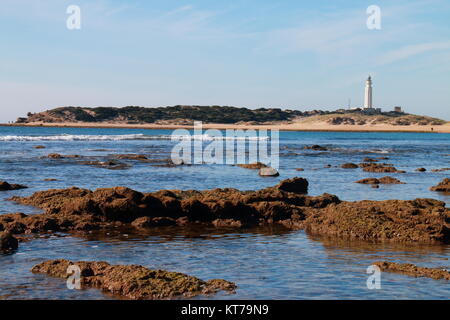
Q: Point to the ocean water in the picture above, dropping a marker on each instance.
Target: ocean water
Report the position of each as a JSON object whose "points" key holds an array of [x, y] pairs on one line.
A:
{"points": [[265, 263]]}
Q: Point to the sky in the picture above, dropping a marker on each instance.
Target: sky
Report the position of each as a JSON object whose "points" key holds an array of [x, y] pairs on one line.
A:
{"points": [[291, 54]]}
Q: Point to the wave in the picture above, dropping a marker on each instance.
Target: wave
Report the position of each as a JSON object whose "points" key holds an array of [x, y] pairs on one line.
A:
{"points": [[71, 137]]}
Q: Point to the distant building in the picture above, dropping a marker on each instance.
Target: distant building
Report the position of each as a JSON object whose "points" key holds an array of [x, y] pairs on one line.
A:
{"points": [[398, 109], [368, 94], [368, 98]]}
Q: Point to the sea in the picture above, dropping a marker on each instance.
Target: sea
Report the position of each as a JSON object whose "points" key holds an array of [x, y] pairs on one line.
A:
{"points": [[265, 263]]}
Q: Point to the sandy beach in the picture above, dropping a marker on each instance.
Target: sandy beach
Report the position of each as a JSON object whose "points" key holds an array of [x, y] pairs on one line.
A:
{"points": [[295, 126]]}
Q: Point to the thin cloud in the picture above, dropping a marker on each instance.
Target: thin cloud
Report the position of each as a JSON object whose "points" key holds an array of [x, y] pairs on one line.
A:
{"points": [[412, 50]]}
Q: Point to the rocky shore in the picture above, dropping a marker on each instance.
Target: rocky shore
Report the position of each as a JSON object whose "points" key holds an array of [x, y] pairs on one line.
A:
{"points": [[413, 270], [134, 281], [5, 186], [443, 186], [286, 204]]}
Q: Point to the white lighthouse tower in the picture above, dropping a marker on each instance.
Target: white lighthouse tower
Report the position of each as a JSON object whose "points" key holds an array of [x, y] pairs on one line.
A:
{"points": [[368, 94]]}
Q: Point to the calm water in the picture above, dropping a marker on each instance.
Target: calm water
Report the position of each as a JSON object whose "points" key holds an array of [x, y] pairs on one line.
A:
{"points": [[265, 263]]}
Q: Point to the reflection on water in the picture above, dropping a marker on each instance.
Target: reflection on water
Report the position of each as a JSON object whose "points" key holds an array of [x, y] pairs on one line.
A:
{"points": [[266, 263]]}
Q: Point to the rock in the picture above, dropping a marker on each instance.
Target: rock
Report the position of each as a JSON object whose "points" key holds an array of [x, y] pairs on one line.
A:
{"points": [[390, 180], [110, 164], [134, 281], [384, 180], [315, 147], [349, 166], [299, 169], [368, 181], [147, 222], [419, 220], [443, 186], [268, 172], [74, 210], [375, 186], [440, 170], [8, 243], [39, 147], [413, 270], [369, 160], [374, 167], [227, 223], [296, 185], [5, 186], [139, 157], [50, 179], [255, 165], [54, 156], [421, 170], [59, 156]]}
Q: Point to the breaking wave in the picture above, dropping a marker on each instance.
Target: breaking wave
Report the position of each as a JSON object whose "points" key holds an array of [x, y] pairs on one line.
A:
{"points": [[71, 137]]}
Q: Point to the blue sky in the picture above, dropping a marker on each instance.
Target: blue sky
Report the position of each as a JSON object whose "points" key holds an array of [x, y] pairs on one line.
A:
{"points": [[250, 53]]}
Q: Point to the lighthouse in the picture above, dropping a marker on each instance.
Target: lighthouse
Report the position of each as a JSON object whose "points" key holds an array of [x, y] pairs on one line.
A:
{"points": [[368, 94]]}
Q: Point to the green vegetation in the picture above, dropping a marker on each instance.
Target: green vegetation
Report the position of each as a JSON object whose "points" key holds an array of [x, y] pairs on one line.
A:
{"points": [[134, 114], [221, 114]]}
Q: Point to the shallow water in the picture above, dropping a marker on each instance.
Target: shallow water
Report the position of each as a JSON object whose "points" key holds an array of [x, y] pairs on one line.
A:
{"points": [[265, 263]]}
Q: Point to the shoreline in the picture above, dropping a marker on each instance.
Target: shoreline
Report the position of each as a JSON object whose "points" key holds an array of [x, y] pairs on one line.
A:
{"points": [[299, 126]]}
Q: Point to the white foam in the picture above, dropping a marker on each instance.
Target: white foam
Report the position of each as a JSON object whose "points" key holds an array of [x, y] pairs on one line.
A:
{"points": [[207, 137], [71, 137]]}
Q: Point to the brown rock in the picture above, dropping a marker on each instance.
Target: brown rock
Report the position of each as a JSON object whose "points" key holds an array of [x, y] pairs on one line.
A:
{"points": [[296, 185], [8, 243], [390, 180], [413, 270], [315, 147], [443, 186], [420, 220], [374, 167], [299, 169], [5, 186], [139, 157], [134, 281], [384, 180], [39, 147], [349, 166], [440, 170], [368, 181], [253, 166], [147, 222], [225, 223], [421, 169], [110, 164], [54, 156]]}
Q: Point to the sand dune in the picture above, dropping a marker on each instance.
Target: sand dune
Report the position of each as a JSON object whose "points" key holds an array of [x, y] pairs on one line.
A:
{"points": [[295, 126]]}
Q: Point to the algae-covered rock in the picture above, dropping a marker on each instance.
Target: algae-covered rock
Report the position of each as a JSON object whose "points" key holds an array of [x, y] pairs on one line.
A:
{"points": [[413, 270], [5, 186], [7, 242], [443, 186], [134, 281]]}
